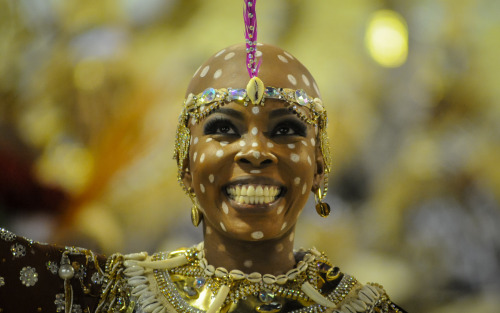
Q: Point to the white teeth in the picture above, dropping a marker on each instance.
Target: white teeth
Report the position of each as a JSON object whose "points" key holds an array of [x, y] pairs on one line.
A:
{"points": [[251, 194]]}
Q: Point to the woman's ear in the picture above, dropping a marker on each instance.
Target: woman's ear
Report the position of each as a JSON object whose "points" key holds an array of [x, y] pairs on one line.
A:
{"points": [[319, 173]]}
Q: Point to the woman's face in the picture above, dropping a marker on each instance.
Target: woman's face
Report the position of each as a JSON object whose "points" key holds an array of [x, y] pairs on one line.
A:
{"points": [[252, 169]]}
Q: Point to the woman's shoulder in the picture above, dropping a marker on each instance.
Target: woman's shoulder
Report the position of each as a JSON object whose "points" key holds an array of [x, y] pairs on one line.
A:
{"points": [[38, 277]]}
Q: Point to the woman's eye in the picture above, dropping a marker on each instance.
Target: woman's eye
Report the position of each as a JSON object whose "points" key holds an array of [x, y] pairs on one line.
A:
{"points": [[220, 126], [284, 130], [290, 128]]}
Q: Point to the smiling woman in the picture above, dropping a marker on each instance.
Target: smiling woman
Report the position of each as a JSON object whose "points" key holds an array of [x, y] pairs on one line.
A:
{"points": [[251, 146]]}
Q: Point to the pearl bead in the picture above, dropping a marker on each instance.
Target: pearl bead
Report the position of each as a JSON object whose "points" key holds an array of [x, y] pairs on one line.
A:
{"points": [[66, 271]]}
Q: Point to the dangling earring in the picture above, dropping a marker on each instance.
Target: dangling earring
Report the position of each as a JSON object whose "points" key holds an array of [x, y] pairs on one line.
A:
{"points": [[322, 208], [196, 215]]}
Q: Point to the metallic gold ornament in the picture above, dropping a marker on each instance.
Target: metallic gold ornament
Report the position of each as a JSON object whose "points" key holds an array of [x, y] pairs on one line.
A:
{"points": [[196, 217], [322, 208]]}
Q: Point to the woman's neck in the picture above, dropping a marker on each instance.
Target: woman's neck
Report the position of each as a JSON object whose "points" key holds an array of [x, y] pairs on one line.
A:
{"points": [[266, 257]]}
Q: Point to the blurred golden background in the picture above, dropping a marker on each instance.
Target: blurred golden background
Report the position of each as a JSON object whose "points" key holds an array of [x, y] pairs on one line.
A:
{"points": [[90, 92]]}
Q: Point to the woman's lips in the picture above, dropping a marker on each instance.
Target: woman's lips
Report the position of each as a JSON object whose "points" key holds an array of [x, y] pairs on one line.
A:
{"points": [[253, 193]]}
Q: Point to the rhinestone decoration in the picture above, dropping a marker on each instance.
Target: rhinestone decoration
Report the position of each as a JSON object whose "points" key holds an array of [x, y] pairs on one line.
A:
{"points": [[6, 235], [266, 296], [2, 281], [208, 95], [76, 308], [200, 282], [301, 97], [28, 276], [96, 278], [59, 302], [52, 267], [236, 94], [18, 250], [272, 92]]}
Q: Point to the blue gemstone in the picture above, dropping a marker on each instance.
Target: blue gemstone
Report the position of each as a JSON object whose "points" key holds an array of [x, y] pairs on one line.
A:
{"points": [[272, 92], [208, 95], [200, 282], [237, 94], [266, 296], [301, 97]]}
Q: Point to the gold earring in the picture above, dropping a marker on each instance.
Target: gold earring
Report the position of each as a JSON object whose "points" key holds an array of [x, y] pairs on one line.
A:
{"points": [[196, 215], [322, 208]]}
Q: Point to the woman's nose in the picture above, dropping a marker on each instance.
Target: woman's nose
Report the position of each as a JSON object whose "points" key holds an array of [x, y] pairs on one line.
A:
{"points": [[256, 154]]}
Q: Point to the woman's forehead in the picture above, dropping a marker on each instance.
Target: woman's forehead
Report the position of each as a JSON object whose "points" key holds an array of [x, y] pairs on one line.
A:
{"points": [[227, 69]]}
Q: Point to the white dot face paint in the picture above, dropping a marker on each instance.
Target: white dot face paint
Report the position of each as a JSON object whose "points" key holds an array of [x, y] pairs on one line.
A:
{"points": [[292, 235], [193, 121], [306, 80], [254, 131], [195, 141], [202, 157], [258, 53], [283, 226], [257, 235], [248, 263], [219, 153], [221, 247], [255, 171], [270, 144], [220, 52], [211, 178], [225, 208], [313, 142], [223, 227], [304, 189], [256, 154], [204, 71], [309, 160], [255, 110], [295, 157], [296, 180], [279, 247], [202, 188], [194, 156], [280, 209], [208, 230], [304, 143], [290, 256], [292, 79], [208, 140], [282, 58], [288, 54], [242, 143], [255, 144], [291, 145], [229, 56], [223, 143], [218, 74]]}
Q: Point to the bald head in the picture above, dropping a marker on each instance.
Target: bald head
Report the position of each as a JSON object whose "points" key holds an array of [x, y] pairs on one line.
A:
{"points": [[227, 69]]}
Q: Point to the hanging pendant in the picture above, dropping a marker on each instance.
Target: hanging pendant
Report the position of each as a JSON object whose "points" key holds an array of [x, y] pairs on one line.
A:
{"points": [[323, 209]]}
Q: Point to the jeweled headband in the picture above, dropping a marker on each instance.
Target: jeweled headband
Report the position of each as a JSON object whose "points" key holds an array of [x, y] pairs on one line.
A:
{"points": [[289, 81]]}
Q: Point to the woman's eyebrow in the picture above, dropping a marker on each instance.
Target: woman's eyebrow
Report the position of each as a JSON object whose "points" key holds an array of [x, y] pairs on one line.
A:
{"points": [[231, 112], [280, 113]]}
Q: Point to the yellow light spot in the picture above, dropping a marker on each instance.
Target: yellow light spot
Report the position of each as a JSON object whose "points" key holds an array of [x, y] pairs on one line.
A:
{"points": [[387, 38], [68, 165]]}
